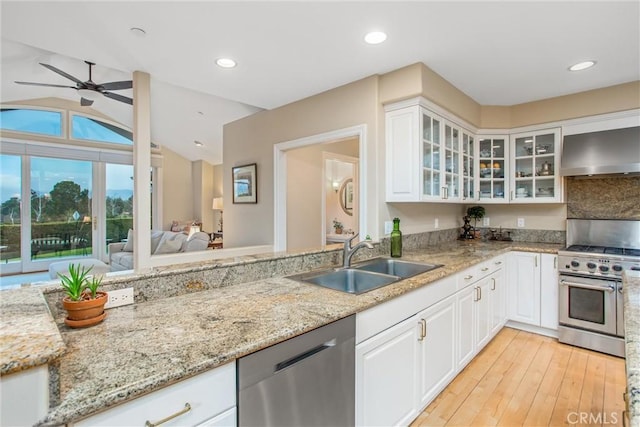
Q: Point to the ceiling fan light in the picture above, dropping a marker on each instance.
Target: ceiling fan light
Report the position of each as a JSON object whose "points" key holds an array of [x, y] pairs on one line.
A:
{"points": [[89, 94]]}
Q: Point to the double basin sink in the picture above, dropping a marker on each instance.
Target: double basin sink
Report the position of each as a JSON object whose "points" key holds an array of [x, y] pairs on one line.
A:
{"points": [[365, 276]]}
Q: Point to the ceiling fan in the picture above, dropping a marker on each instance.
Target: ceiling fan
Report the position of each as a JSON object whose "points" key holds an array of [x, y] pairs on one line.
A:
{"points": [[89, 91]]}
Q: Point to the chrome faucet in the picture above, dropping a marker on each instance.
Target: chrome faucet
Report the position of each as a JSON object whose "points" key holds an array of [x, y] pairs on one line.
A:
{"points": [[349, 251]]}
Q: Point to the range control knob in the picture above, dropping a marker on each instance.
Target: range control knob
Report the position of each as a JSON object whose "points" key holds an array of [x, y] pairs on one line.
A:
{"points": [[617, 268], [636, 268], [575, 264], [604, 268], [591, 266]]}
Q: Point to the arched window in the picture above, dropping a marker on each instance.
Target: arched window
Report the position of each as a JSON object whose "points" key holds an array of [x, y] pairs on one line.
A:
{"points": [[41, 122]]}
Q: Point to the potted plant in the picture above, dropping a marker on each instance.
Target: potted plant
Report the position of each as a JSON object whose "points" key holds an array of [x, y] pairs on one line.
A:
{"points": [[84, 302], [475, 212], [337, 225]]}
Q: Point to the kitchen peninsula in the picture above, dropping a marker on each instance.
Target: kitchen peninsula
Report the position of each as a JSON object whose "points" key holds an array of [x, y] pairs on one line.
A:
{"points": [[169, 339]]}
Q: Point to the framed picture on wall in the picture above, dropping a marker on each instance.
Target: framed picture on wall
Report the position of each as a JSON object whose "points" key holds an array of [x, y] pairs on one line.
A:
{"points": [[245, 183]]}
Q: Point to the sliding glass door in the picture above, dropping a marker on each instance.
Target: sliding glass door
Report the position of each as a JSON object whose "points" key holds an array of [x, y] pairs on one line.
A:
{"points": [[10, 213], [61, 220]]}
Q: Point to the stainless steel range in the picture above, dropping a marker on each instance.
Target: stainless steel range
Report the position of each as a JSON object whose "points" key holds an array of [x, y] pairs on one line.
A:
{"points": [[590, 293]]}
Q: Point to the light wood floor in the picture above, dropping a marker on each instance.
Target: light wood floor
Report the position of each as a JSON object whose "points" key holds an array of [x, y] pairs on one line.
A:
{"points": [[524, 379]]}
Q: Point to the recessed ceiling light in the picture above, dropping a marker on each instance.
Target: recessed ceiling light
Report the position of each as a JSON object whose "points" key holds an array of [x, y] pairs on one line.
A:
{"points": [[582, 65], [226, 62], [137, 31], [201, 113], [198, 143], [375, 37]]}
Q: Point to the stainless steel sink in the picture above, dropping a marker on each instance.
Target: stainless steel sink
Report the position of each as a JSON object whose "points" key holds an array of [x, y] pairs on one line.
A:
{"points": [[353, 281], [395, 267]]}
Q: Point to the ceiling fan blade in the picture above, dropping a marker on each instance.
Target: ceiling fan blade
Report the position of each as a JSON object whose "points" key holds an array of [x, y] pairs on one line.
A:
{"points": [[85, 102], [62, 73], [44, 84], [117, 97], [125, 84]]}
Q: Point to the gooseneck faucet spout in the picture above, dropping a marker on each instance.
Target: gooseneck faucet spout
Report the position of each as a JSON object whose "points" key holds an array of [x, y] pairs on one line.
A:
{"points": [[349, 250]]}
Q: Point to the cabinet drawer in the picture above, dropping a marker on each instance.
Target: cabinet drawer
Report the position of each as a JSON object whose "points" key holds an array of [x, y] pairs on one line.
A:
{"points": [[207, 394], [478, 271]]}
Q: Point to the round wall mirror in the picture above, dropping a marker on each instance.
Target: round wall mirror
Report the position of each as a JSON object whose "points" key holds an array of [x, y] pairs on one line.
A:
{"points": [[346, 196]]}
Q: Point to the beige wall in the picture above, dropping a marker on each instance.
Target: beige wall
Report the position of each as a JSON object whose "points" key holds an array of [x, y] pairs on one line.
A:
{"points": [[252, 140], [217, 192], [177, 198], [203, 191], [304, 192]]}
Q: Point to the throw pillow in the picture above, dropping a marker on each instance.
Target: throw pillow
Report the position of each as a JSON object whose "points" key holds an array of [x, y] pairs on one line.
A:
{"points": [[128, 247], [168, 247], [156, 235]]}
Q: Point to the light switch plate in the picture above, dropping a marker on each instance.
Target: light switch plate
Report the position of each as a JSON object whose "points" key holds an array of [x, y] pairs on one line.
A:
{"points": [[520, 222], [388, 227], [486, 222], [437, 223]]}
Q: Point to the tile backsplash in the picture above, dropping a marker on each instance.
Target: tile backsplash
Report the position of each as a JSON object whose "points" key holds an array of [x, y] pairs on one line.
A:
{"points": [[603, 197]]}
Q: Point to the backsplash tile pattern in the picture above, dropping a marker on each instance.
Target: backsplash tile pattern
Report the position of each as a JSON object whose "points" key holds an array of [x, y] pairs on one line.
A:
{"points": [[603, 198]]}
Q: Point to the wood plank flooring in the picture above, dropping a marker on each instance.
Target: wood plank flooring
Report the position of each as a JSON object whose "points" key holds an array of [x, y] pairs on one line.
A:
{"points": [[524, 379]]}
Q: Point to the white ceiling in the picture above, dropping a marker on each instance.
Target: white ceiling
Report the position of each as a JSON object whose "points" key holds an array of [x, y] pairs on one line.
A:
{"points": [[499, 53]]}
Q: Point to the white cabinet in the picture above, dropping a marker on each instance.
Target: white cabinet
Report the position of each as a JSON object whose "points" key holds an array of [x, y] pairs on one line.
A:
{"points": [[437, 349], [524, 287], [498, 309], [208, 398], [386, 379], [25, 396], [535, 160], [474, 320], [549, 291], [533, 289], [493, 169], [428, 158]]}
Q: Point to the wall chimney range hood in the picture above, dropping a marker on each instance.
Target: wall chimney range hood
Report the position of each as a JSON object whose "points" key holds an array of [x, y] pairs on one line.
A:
{"points": [[614, 151]]}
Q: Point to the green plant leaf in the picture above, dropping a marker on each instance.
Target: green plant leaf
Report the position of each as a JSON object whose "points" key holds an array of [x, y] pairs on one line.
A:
{"points": [[75, 282]]}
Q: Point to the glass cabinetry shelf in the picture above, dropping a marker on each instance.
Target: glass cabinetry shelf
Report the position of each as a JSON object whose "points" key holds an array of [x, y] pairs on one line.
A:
{"points": [[535, 162], [492, 168]]}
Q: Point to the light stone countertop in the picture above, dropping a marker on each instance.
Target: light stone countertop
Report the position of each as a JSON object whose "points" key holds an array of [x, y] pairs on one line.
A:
{"points": [[631, 292], [159, 342], [28, 337]]}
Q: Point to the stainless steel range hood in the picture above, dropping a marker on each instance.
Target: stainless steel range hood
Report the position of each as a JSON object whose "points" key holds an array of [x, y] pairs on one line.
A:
{"points": [[597, 153]]}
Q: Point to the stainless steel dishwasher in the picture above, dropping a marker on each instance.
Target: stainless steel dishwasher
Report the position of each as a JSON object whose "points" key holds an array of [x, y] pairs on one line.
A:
{"points": [[308, 380]]}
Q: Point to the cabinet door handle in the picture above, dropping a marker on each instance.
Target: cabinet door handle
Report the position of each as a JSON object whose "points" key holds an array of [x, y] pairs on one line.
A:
{"points": [[478, 194], [183, 411], [535, 259], [475, 298], [480, 292], [423, 329], [511, 195], [493, 283], [555, 262]]}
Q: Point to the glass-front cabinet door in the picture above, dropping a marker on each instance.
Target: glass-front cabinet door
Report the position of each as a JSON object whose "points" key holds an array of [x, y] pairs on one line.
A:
{"points": [[492, 168], [431, 153], [536, 159], [451, 185], [468, 166]]}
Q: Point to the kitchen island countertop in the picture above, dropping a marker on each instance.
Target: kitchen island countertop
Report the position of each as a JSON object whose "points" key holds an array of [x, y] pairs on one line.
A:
{"points": [[631, 293], [160, 342]]}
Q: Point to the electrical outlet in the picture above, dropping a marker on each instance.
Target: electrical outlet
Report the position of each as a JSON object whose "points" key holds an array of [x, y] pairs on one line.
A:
{"points": [[486, 222], [520, 222], [119, 297], [437, 223], [388, 227]]}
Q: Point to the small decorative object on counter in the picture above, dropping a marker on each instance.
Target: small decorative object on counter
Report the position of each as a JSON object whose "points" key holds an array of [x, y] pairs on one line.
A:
{"points": [[83, 302], [396, 239], [468, 231], [337, 225]]}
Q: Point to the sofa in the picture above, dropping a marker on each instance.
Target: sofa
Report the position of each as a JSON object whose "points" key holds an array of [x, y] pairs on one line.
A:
{"points": [[162, 242]]}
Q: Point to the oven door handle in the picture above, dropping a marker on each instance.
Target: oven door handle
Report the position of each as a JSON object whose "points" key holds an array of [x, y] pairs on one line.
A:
{"points": [[609, 288]]}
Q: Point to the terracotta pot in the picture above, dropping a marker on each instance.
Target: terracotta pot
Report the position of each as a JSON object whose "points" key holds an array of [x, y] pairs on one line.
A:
{"points": [[86, 309], [338, 230]]}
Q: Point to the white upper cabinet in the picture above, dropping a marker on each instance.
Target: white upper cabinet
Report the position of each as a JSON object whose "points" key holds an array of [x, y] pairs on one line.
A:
{"points": [[493, 168], [535, 157], [444, 152], [433, 157]]}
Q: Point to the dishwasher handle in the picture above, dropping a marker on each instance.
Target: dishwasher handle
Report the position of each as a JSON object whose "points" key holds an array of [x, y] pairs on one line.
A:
{"points": [[304, 355]]}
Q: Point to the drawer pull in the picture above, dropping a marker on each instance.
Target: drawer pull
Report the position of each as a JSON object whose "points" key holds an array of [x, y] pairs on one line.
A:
{"points": [[498, 262], [468, 277], [183, 411], [485, 269]]}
